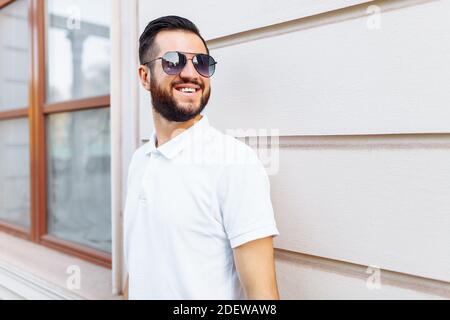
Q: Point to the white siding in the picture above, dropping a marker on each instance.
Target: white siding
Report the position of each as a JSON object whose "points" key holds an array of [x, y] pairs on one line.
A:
{"points": [[380, 201], [306, 277], [339, 77], [217, 19], [364, 176]]}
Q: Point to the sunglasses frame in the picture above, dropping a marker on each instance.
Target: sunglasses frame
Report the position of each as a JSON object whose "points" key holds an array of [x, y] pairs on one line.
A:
{"points": [[187, 59]]}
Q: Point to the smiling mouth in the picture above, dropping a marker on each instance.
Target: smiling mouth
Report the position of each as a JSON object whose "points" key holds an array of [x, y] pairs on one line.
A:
{"points": [[188, 92]]}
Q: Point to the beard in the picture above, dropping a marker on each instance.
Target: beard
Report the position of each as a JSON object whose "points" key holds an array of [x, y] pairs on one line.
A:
{"points": [[165, 104]]}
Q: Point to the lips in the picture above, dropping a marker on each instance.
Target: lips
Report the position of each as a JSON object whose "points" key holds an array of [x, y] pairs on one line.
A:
{"points": [[187, 89], [187, 85]]}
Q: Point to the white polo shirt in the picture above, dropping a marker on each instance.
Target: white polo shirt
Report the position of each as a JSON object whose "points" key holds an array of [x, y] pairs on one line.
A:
{"points": [[189, 203]]}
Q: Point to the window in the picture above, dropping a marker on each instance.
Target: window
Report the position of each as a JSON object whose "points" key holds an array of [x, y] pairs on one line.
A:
{"points": [[15, 213], [77, 49], [78, 177], [14, 56], [56, 171], [15, 172]]}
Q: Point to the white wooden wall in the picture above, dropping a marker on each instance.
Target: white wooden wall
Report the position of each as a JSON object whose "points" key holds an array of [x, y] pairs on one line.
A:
{"points": [[364, 121]]}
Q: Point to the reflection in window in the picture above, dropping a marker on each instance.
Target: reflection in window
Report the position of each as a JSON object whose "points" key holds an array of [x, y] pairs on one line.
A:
{"points": [[78, 177], [78, 49], [15, 172], [14, 55]]}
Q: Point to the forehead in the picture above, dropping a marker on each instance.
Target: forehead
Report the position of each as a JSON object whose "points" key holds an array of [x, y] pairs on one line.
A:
{"points": [[179, 40]]}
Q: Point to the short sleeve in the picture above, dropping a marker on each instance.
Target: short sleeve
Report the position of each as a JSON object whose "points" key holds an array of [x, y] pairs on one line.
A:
{"points": [[246, 207]]}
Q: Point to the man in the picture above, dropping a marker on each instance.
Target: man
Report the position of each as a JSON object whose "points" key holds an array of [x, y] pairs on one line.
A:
{"points": [[198, 218]]}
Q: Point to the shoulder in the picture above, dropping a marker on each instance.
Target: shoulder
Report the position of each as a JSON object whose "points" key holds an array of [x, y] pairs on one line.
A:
{"points": [[139, 154], [137, 160]]}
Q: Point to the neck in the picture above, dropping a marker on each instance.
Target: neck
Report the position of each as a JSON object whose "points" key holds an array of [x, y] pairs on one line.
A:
{"points": [[167, 130]]}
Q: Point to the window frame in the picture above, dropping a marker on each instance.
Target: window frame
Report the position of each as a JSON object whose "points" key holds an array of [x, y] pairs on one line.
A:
{"points": [[36, 113]]}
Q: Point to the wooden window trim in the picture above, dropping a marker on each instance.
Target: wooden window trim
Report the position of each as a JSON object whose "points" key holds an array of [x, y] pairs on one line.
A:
{"points": [[4, 3], [76, 105], [15, 230], [77, 250], [36, 114], [14, 114]]}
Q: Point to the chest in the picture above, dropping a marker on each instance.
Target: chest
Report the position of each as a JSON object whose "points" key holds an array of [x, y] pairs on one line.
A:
{"points": [[178, 197]]}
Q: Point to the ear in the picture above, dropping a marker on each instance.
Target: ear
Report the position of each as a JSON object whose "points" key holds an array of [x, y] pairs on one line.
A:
{"points": [[144, 77]]}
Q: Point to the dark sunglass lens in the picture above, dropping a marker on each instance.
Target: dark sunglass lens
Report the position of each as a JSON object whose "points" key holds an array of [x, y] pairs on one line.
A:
{"points": [[205, 65], [173, 63]]}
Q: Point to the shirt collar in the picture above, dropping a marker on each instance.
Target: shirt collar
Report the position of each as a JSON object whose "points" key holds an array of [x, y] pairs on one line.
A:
{"points": [[174, 146]]}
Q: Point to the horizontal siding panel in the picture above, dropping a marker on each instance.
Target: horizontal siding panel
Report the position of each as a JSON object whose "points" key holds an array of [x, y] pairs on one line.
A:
{"points": [[371, 201], [338, 77], [221, 18], [311, 278]]}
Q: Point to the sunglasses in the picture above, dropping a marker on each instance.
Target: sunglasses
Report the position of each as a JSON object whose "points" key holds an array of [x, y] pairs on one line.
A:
{"points": [[173, 62]]}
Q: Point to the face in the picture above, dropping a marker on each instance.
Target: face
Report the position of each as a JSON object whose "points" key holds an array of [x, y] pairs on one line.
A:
{"points": [[167, 97]]}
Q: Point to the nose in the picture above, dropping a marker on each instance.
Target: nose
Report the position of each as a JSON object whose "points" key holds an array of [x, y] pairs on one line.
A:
{"points": [[189, 71]]}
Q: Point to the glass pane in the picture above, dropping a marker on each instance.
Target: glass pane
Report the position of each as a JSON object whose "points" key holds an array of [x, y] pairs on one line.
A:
{"points": [[14, 56], [15, 172], [78, 177], [78, 49]]}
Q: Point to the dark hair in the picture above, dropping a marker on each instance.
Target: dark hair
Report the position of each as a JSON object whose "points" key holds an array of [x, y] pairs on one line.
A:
{"points": [[147, 46]]}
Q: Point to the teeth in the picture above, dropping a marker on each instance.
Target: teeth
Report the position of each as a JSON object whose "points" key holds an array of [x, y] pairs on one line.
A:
{"points": [[187, 90]]}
